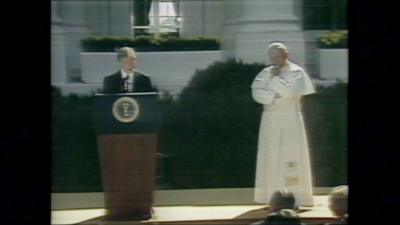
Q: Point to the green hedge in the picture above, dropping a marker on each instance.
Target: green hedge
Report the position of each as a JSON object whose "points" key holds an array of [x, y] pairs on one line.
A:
{"points": [[325, 115], [209, 134], [212, 130], [75, 164], [145, 43]]}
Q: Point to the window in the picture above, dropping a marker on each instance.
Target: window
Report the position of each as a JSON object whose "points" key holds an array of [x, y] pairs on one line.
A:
{"points": [[325, 14], [163, 17], [154, 17]]}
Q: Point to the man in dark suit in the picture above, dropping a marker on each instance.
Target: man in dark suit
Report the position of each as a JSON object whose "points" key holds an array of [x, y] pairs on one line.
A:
{"points": [[127, 79]]}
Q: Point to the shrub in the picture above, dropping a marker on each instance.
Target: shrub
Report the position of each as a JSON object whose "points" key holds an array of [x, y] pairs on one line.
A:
{"points": [[325, 116], [146, 43], [213, 130], [209, 134], [75, 165], [333, 39]]}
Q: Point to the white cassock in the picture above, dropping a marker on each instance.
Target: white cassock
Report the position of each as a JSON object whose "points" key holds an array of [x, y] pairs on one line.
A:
{"points": [[283, 159]]}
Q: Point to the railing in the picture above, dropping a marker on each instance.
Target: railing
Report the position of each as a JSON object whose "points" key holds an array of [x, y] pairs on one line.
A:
{"points": [[155, 29]]}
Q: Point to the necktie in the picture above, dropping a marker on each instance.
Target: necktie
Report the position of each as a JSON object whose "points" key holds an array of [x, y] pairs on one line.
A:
{"points": [[124, 84], [130, 83]]}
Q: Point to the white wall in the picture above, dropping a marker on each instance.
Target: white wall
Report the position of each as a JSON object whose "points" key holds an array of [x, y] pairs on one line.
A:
{"points": [[333, 64], [202, 17], [169, 71], [120, 17], [58, 56], [98, 17]]}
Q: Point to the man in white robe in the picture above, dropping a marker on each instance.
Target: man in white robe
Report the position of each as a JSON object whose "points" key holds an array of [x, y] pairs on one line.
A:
{"points": [[283, 159]]}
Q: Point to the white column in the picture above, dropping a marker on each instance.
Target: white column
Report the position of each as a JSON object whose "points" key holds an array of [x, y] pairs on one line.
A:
{"points": [[58, 56], [269, 15], [192, 18], [73, 12], [75, 24], [120, 17], [213, 17], [99, 16], [232, 14], [109, 17], [263, 21]]}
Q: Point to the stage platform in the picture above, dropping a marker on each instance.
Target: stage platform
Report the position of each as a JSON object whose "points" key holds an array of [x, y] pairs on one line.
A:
{"points": [[186, 214]]}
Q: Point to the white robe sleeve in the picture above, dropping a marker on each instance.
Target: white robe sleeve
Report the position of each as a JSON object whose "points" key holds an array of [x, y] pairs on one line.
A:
{"points": [[308, 87], [261, 94], [299, 84]]}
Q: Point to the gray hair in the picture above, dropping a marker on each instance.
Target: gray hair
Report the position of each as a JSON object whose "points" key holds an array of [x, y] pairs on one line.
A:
{"points": [[338, 197], [283, 199], [342, 190], [277, 45], [126, 52]]}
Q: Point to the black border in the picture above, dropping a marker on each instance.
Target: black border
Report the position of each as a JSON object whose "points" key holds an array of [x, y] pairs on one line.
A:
{"points": [[25, 112], [25, 118], [373, 98]]}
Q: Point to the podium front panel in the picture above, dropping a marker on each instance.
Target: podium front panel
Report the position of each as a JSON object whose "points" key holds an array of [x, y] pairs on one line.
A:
{"points": [[143, 113], [128, 165]]}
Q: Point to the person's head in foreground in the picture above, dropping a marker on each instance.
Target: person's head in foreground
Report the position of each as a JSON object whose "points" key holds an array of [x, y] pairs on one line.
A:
{"points": [[282, 199], [283, 217], [338, 201]]}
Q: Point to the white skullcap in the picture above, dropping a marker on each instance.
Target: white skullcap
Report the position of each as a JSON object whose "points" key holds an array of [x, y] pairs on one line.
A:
{"points": [[277, 45]]}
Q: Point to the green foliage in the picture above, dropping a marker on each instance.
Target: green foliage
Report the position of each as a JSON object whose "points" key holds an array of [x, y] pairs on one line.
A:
{"points": [[146, 43], [212, 130], [75, 165], [333, 39], [208, 135], [211, 133], [326, 122]]}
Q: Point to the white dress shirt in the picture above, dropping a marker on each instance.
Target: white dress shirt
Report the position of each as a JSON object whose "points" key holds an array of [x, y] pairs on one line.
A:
{"points": [[130, 79]]}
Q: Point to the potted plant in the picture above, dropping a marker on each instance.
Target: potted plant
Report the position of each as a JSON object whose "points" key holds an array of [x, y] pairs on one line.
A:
{"points": [[333, 55]]}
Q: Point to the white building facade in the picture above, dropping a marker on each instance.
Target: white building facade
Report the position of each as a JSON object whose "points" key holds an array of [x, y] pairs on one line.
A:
{"points": [[244, 28]]}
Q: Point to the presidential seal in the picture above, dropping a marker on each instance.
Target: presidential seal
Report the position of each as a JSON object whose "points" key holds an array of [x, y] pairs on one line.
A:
{"points": [[125, 109]]}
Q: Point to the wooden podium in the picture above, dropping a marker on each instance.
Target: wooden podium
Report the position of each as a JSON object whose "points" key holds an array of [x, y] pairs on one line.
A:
{"points": [[127, 126]]}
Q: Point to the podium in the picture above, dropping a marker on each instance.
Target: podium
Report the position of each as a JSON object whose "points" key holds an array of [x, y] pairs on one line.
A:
{"points": [[127, 126]]}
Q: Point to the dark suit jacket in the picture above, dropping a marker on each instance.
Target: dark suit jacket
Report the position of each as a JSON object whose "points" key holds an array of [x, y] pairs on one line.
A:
{"points": [[113, 83], [278, 219]]}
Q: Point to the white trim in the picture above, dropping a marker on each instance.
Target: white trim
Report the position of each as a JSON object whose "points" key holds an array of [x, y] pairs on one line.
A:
{"points": [[128, 94], [198, 197]]}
